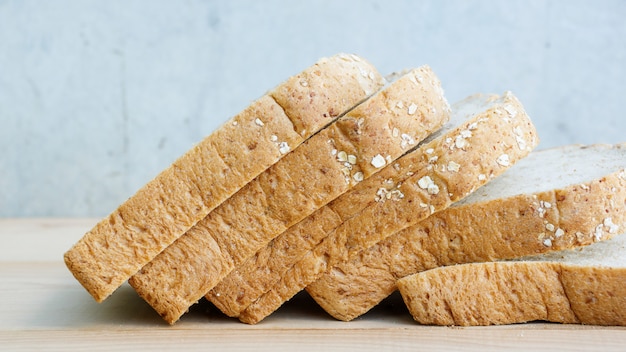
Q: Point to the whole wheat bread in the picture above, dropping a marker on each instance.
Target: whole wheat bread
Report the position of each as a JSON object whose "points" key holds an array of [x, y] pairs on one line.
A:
{"points": [[218, 166], [554, 199], [328, 164], [248, 281], [443, 170], [582, 286]]}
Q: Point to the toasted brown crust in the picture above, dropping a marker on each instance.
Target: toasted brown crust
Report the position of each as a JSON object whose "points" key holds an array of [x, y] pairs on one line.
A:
{"points": [[439, 173], [216, 168], [493, 230], [320, 94], [318, 171], [516, 292]]}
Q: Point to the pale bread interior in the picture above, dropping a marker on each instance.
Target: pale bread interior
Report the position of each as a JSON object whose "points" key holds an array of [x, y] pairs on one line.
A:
{"points": [[553, 169], [608, 253], [462, 111]]}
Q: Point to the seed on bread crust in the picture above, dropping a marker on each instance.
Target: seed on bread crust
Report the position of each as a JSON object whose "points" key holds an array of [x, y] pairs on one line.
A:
{"points": [[378, 161]]}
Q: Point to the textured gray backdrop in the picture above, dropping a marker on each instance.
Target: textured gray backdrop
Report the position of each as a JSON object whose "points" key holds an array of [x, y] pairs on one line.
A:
{"points": [[96, 97]]}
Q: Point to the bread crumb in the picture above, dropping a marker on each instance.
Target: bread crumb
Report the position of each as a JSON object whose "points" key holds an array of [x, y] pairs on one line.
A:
{"points": [[381, 195], [559, 233], [466, 133], [424, 182], [384, 194], [510, 110], [613, 228], [597, 235], [283, 148], [397, 193], [406, 140], [342, 156], [460, 142], [503, 160], [453, 167], [519, 137], [428, 184], [378, 161], [259, 122]]}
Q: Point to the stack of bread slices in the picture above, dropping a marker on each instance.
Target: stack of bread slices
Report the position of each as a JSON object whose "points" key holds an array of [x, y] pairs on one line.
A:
{"points": [[352, 186]]}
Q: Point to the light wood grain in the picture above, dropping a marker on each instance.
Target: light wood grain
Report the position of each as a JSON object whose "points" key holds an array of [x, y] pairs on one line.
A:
{"points": [[42, 306]]}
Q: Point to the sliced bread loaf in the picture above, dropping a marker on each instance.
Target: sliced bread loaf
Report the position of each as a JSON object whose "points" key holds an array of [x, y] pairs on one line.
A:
{"points": [[216, 168], [248, 281], [444, 169], [554, 199], [583, 286], [328, 164]]}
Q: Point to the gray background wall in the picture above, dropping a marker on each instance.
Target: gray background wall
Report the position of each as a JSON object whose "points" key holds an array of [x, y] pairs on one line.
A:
{"points": [[96, 97]]}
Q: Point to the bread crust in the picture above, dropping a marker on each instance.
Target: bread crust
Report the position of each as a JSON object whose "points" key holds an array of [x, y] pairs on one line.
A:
{"points": [[423, 182], [516, 292], [499, 229], [325, 166], [416, 93], [216, 168]]}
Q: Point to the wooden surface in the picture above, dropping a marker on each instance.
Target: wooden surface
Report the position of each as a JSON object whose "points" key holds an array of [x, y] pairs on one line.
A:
{"points": [[42, 307]]}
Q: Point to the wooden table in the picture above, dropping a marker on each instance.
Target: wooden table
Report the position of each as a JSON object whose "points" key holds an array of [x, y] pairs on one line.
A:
{"points": [[42, 307]]}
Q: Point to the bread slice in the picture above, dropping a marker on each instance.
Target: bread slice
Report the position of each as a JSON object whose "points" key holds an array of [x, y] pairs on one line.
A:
{"points": [[584, 286], [216, 168], [331, 162], [442, 170], [554, 199]]}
